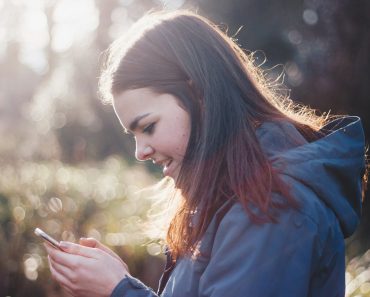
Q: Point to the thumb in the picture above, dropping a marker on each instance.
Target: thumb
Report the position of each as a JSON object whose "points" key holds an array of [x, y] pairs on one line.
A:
{"points": [[77, 249], [94, 243], [89, 242]]}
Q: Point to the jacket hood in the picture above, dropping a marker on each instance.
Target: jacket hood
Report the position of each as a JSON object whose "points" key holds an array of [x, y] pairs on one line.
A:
{"points": [[331, 166]]}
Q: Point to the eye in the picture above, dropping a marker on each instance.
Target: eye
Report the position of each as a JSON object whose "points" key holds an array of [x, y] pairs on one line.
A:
{"points": [[149, 129]]}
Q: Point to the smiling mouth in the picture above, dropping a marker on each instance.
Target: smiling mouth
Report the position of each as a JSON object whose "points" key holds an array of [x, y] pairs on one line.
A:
{"points": [[166, 164]]}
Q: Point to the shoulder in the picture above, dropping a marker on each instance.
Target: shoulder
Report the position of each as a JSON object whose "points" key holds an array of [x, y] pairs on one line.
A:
{"points": [[253, 255], [305, 231], [237, 229], [279, 136]]}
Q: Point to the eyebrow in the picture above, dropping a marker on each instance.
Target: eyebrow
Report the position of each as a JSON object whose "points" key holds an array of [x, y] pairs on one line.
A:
{"points": [[133, 125]]}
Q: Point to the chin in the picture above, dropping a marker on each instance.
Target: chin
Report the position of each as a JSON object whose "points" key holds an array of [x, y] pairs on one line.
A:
{"points": [[174, 176], [177, 186], [175, 181]]}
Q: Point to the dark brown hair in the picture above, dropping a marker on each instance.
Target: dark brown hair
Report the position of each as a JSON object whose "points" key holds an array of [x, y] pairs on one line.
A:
{"points": [[227, 98]]}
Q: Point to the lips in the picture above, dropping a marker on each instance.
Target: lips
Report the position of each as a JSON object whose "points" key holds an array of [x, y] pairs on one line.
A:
{"points": [[166, 164]]}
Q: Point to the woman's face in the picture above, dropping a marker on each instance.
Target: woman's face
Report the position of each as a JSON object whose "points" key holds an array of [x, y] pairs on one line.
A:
{"points": [[160, 126]]}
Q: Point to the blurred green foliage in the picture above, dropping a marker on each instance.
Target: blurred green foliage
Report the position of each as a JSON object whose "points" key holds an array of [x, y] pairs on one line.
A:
{"points": [[358, 276], [100, 200]]}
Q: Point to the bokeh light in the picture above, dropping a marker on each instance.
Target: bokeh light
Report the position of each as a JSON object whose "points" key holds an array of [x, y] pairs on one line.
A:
{"points": [[310, 17]]}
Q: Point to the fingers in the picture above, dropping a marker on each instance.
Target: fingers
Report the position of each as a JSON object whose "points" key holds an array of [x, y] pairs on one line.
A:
{"points": [[60, 277], [66, 262], [67, 268], [77, 249], [59, 258], [89, 248], [92, 242], [89, 242]]}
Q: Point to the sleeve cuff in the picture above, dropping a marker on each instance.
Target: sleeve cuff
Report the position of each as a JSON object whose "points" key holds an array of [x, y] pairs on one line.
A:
{"points": [[132, 287]]}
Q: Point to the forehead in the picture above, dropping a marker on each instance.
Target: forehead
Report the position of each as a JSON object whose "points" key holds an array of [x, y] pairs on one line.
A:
{"points": [[133, 103], [133, 99]]}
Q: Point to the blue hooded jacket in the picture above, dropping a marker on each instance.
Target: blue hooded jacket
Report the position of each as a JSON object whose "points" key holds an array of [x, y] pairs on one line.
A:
{"points": [[301, 255]]}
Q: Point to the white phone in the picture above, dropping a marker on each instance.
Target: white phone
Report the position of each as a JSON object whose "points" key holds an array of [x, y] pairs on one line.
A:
{"points": [[48, 238]]}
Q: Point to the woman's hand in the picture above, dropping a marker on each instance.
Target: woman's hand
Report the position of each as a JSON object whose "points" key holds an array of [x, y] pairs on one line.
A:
{"points": [[92, 270], [93, 243]]}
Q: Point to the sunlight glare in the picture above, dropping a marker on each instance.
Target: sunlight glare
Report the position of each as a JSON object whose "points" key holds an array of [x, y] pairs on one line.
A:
{"points": [[35, 59], [172, 4], [62, 38], [33, 37], [120, 22], [126, 2], [74, 21], [3, 41], [34, 29], [35, 4]]}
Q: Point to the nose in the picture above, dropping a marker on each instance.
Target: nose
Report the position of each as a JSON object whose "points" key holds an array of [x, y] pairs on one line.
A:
{"points": [[143, 152]]}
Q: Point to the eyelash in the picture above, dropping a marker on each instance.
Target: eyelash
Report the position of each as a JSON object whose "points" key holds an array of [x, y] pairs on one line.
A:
{"points": [[149, 129]]}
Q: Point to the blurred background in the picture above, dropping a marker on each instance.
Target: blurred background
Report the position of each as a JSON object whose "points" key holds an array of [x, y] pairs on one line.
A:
{"points": [[65, 165]]}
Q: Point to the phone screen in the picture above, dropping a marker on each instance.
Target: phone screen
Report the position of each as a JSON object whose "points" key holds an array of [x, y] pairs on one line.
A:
{"points": [[48, 238]]}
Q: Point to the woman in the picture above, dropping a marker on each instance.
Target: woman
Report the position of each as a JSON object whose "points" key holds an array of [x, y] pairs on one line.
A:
{"points": [[269, 190]]}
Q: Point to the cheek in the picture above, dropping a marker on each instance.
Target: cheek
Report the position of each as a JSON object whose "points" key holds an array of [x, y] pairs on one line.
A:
{"points": [[180, 145], [177, 133], [175, 144], [183, 139], [176, 141]]}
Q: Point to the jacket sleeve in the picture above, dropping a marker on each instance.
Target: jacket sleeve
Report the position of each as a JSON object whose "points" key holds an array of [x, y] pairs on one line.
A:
{"points": [[248, 259], [132, 287]]}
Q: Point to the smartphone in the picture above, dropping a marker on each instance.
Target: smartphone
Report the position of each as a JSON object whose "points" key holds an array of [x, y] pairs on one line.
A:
{"points": [[48, 238]]}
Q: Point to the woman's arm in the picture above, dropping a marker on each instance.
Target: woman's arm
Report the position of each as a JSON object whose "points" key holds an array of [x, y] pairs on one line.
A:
{"points": [[132, 287]]}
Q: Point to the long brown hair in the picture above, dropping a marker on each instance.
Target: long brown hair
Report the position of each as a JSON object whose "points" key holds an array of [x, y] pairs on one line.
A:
{"points": [[227, 98]]}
